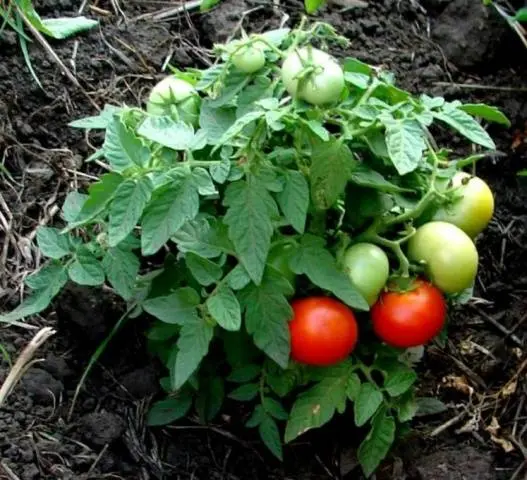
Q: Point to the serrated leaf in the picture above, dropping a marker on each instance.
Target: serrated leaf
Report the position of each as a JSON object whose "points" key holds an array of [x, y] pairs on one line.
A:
{"points": [[405, 142], [274, 408], [73, 205], [358, 80], [202, 269], [239, 125], [127, 207], [277, 36], [245, 373], [220, 172], [492, 114], [233, 83], [193, 345], [170, 208], [215, 121], [294, 200], [356, 66], [270, 436], [366, 177], [267, 313], [313, 260], [353, 387], [122, 148], [238, 278], [177, 308], [169, 410], [316, 406], [97, 122], [331, 164], [168, 132], [245, 393], [65, 27], [86, 269], [368, 401], [203, 182], [51, 279], [246, 101], [377, 443], [209, 76], [318, 129], [399, 381], [52, 243], [464, 124], [210, 398], [121, 268], [224, 307], [248, 217]]}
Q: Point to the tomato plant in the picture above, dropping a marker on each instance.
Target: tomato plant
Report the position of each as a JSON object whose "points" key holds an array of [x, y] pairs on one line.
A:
{"points": [[249, 214], [409, 318], [473, 205], [323, 331]]}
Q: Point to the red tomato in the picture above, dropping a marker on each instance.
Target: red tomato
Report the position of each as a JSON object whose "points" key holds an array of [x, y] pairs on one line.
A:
{"points": [[410, 318], [323, 331]]}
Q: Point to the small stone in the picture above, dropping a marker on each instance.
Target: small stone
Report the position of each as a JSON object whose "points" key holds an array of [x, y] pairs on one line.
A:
{"points": [[102, 428], [42, 386]]}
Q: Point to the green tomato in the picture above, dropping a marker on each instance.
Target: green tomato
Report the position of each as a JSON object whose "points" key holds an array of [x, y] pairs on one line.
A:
{"points": [[322, 86], [176, 98], [449, 255], [474, 207], [249, 59], [368, 268], [279, 257]]}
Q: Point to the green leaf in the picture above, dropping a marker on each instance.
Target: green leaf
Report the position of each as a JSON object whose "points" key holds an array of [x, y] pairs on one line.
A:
{"points": [[171, 206], [206, 5], [331, 164], [245, 393], [127, 207], [52, 243], [233, 83], [239, 125], [368, 401], [167, 132], [521, 15], [245, 373], [86, 269], [353, 387], [316, 406], [358, 80], [220, 172], [406, 407], [294, 200], [405, 142], [492, 114], [238, 278], [399, 381], [202, 269], [224, 307], [256, 417], [50, 280], [312, 6], [463, 123], [121, 268], [122, 148], [313, 260], [246, 101], [215, 121], [73, 205], [267, 313], [429, 406], [377, 443], [366, 177], [61, 28], [274, 408], [248, 217], [169, 410], [97, 122], [210, 398], [270, 436], [203, 182], [318, 129], [100, 194], [193, 345], [177, 308], [356, 66]]}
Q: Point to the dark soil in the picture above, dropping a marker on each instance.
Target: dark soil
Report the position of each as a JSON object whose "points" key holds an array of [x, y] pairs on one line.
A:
{"points": [[454, 48]]}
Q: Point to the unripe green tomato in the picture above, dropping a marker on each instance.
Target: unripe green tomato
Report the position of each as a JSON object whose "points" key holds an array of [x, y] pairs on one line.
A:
{"points": [[175, 97], [279, 259], [249, 59], [368, 268], [473, 211], [449, 253], [322, 86]]}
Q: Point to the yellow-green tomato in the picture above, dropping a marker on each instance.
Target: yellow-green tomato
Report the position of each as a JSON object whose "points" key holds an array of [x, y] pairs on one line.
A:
{"points": [[249, 59], [322, 86], [474, 208], [368, 268], [449, 255], [174, 97]]}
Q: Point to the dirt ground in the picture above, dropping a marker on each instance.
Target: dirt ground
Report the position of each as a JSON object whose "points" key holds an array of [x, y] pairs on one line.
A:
{"points": [[454, 48]]}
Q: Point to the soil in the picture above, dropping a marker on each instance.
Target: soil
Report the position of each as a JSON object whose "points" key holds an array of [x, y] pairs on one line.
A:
{"points": [[454, 48]]}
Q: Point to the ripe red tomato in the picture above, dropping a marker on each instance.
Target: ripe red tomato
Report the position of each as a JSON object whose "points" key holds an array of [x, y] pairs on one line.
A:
{"points": [[323, 331], [410, 318]]}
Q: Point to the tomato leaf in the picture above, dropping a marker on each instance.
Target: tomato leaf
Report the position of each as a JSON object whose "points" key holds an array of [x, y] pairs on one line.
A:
{"points": [[399, 380], [270, 435], [245, 393], [220, 172], [366, 177], [121, 268], [313, 260], [275, 408], [233, 83], [245, 373], [248, 217], [52, 243], [492, 114], [203, 270], [215, 121], [178, 308], [367, 402], [86, 269], [377, 443], [168, 132], [170, 207], [353, 387], [406, 407], [73, 205], [316, 406], [429, 406], [294, 200], [127, 207], [238, 278], [169, 410], [224, 307], [65, 27], [210, 397]]}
